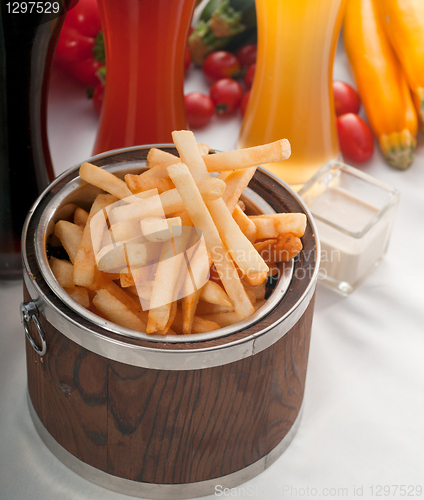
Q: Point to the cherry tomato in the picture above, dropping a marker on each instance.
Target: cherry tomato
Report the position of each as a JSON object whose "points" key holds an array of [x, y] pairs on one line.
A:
{"points": [[84, 17], [346, 99], [226, 95], [98, 97], [85, 71], [220, 64], [249, 76], [246, 55], [187, 60], [244, 101], [199, 109], [355, 137], [72, 46]]}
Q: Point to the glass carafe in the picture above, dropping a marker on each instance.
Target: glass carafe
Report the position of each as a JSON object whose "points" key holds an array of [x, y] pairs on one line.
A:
{"points": [[145, 42], [291, 95]]}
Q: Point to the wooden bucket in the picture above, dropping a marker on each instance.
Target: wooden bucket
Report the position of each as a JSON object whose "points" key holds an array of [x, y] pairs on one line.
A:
{"points": [[165, 417]]}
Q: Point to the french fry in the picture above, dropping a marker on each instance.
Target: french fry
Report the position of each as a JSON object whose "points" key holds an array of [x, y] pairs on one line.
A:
{"points": [[143, 195], [249, 157], [140, 209], [186, 145], [222, 319], [172, 314], [265, 248], [111, 276], [139, 183], [66, 211], [159, 169], [188, 308], [63, 272], [256, 279], [117, 312], [284, 223], [126, 230], [128, 299], [85, 268], [245, 224], [265, 228], [70, 235], [236, 183], [283, 249], [200, 325], [214, 294], [287, 247], [273, 268], [142, 290], [203, 148], [202, 219], [211, 188], [112, 258], [163, 287], [126, 279], [239, 158], [198, 262], [228, 318], [171, 202], [240, 248], [223, 175], [251, 296], [54, 241], [185, 218], [259, 291], [205, 308], [166, 204], [79, 294], [104, 180], [80, 217], [157, 230], [158, 318], [138, 275], [157, 156]]}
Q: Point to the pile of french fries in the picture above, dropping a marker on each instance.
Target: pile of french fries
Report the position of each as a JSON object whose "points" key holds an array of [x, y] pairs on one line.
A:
{"points": [[127, 257]]}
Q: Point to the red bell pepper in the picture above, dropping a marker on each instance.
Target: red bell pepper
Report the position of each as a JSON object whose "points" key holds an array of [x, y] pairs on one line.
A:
{"points": [[79, 50]]}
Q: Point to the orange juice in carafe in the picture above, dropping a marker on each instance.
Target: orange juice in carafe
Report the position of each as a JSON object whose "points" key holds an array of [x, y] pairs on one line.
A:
{"points": [[291, 95]]}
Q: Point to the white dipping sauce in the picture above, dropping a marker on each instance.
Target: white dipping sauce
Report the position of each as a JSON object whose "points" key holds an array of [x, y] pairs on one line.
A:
{"points": [[344, 257]]}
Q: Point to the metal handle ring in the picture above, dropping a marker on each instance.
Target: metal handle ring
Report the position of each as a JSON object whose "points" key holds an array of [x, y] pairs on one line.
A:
{"points": [[29, 312]]}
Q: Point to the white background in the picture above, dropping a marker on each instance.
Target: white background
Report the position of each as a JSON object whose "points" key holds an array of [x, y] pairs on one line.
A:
{"points": [[363, 422]]}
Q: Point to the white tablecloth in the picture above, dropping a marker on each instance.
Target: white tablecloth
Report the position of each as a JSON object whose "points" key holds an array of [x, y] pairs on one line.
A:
{"points": [[363, 423]]}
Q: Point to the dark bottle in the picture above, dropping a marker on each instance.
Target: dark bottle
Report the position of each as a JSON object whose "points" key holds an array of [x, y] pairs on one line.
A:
{"points": [[27, 43]]}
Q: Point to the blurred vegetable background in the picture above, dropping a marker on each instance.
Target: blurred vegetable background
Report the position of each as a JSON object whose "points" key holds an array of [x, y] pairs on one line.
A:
{"points": [[384, 42], [381, 80], [225, 24]]}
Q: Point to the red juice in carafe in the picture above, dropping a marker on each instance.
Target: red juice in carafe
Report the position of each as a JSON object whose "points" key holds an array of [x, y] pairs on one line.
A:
{"points": [[145, 42]]}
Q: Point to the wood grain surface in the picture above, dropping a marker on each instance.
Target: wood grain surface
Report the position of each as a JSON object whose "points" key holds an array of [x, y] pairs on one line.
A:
{"points": [[168, 427]]}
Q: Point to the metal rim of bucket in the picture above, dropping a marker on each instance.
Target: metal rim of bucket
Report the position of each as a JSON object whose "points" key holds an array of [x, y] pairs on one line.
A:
{"points": [[151, 357], [278, 293]]}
